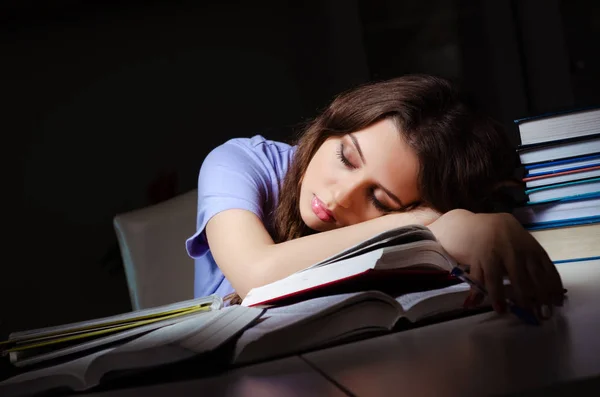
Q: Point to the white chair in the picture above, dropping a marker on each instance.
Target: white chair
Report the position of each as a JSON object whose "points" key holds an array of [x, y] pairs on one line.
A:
{"points": [[152, 243]]}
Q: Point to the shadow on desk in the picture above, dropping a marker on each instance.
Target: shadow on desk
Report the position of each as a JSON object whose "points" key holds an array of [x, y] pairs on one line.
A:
{"points": [[589, 387]]}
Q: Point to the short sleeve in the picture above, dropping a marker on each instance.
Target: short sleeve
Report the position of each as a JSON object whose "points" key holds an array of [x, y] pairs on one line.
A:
{"points": [[231, 177]]}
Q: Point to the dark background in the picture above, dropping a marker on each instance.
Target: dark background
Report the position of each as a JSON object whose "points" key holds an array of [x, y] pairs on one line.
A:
{"points": [[106, 109]]}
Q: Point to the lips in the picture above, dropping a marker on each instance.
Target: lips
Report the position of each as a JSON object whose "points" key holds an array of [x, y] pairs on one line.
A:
{"points": [[321, 210]]}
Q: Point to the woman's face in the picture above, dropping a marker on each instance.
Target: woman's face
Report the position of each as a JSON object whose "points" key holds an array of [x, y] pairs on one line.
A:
{"points": [[360, 176]]}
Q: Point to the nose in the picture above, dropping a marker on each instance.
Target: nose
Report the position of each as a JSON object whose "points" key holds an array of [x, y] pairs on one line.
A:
{"points": [[343, 193]]}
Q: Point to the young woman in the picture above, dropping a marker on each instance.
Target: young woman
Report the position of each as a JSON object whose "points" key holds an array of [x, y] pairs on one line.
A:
{"points": [[386, 154]]}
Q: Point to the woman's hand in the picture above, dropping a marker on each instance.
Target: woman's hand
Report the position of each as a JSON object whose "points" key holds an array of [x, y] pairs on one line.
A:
{"points": [[495, 245]]}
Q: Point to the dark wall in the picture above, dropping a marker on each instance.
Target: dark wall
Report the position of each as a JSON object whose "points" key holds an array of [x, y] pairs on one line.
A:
{"points": [[105, 102], [581, 22], [512, 57]]}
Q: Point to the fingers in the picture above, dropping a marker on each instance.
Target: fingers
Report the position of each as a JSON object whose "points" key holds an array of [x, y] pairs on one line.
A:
{"points": [[493, 275], [541, 287], [510, 255], [540, 296], [553, 280], [544, 277], [475, 297], [516, 263], [511, 250]]}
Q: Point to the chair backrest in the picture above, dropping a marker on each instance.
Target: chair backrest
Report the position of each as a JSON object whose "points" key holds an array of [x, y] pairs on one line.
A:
{"points": [[152, 242]]}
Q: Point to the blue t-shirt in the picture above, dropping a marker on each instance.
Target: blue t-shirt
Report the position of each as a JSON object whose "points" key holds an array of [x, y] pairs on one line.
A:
{"points": [[242, 173]]}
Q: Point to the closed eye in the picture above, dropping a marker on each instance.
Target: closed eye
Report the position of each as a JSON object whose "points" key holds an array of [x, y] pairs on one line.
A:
{"points": [[343, 158], [378, 204]]}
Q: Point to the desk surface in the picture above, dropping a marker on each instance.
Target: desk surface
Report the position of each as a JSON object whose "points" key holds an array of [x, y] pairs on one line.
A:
{"points": [[479, 355], [286, 377]]}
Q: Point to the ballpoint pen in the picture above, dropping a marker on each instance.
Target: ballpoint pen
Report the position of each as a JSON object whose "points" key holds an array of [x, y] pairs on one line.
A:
{"points": [[525, 315]]}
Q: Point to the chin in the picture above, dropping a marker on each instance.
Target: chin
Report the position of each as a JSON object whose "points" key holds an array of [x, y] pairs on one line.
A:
{"points": [[309, 221], [308, 216], [312, 222]]}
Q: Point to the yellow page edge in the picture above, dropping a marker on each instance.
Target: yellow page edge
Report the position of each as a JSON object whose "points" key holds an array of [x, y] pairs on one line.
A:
{"points": [[112, 324], [202, 308]]}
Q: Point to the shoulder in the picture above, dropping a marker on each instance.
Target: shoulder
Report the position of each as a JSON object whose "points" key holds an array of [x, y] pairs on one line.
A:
{"points": [[254, 145], [251, 152], [242, 173]]}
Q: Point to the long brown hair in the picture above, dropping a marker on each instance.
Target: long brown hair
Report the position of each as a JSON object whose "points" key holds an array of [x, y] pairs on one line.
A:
{"points": [[463, 155]]}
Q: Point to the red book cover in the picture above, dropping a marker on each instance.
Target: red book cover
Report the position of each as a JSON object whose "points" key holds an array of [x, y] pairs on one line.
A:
{"points": [[533, 178]]}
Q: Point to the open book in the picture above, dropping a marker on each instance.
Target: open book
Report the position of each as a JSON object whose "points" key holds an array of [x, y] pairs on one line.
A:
{"points": [[404, 259], [40, 345], [329, 320], [200, 333]]}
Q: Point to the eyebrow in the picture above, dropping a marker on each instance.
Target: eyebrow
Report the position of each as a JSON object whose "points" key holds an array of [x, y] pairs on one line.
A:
{"points": [[362, 157], [360, 153]]}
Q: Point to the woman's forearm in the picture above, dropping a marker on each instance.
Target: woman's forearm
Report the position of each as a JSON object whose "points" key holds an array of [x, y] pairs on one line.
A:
{"points": [[448, 225], [280, 260]]}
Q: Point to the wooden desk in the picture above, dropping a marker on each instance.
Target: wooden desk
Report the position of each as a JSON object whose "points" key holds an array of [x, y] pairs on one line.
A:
{"points": [[479, 355], [286, 377]]}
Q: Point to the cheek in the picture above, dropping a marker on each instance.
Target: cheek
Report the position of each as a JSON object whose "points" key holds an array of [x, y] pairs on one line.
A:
{"points": [[331, 169], [322, 170]]}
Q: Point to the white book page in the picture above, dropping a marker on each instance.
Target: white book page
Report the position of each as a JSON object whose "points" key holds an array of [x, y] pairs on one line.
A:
{"points": [[557, 211], [71, 374], [558, 126], [279, 317], [425, 254], [237, 319], [317, 276], [324, 317], [170, 334], [394, 237], [176, 342], [407, 301], [534, 155]]}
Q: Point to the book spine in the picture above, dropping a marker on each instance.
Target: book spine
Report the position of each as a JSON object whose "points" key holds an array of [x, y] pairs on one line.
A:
{"points": [[581, 182], [555, 224], [563, 161], [561, 173], [558, 142], [566, 198]]}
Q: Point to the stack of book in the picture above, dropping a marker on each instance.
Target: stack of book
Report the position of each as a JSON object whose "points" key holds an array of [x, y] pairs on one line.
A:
{"points": [[560, 153], [43, 345], [78, 356]]}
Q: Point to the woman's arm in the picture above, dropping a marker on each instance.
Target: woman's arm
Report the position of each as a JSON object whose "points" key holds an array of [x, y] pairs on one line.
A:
{"points": [[249, 258], [496, 245]]}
